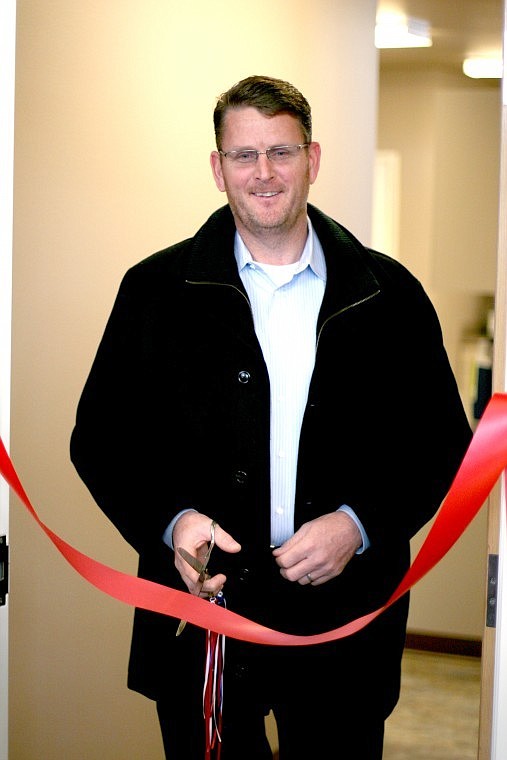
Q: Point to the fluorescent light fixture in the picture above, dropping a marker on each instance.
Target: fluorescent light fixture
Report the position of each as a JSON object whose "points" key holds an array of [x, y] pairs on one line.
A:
{"points": [[393, 31], [479, 67]]}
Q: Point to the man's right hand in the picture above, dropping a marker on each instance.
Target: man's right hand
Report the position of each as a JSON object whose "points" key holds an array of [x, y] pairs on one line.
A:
{"points": [[192, 532]]}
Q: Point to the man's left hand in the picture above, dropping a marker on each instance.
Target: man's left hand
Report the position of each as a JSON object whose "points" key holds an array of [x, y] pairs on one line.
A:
{"points": [[319, 550]]}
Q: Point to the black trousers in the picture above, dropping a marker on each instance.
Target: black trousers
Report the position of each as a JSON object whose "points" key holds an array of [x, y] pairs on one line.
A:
{"points": [[329, 700], [303, 734], [321, 709]]}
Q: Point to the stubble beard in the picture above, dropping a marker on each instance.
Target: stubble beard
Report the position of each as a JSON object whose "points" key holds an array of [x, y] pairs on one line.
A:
{"points": [[275, 225]]}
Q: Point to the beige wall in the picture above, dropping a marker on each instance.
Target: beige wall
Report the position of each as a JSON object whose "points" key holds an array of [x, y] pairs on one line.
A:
{"points": [[113, 133]]}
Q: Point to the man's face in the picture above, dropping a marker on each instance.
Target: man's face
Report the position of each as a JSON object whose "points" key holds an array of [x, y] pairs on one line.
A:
{"points": [[265, 196]]}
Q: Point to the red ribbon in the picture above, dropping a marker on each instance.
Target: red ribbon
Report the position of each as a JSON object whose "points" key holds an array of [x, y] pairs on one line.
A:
{"points": [[213, 689], [482, 465]]}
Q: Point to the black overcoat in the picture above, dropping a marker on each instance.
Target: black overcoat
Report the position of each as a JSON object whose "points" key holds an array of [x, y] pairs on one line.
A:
{"points": [[175, 413]]}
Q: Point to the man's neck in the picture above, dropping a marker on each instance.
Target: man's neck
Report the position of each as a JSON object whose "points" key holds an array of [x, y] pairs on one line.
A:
{"points": [[275, 246]]}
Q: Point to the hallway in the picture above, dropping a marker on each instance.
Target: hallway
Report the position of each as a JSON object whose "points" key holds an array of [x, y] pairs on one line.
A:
{"points": [[437, 717]]}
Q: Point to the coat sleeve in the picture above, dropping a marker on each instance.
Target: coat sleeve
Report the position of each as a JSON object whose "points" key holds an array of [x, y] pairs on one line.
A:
{"points": [[422, 429], [121, 443]]}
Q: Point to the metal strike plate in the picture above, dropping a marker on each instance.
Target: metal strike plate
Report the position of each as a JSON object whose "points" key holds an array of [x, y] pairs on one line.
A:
{"points": [[492, 593], [4, 570]]}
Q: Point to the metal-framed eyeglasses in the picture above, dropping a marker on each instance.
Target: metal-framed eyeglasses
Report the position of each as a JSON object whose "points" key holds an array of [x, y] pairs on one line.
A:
{"points": [[278, 154]]}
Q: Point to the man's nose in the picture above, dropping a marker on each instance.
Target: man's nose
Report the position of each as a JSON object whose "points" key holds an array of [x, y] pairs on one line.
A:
{"points": [[263, 167]]}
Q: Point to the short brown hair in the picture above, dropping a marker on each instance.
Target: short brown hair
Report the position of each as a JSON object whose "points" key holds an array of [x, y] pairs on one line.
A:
{"points": [[270, 96]]}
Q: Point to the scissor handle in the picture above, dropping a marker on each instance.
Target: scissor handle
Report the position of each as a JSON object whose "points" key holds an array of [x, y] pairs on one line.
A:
{"points": [[203, 574]]}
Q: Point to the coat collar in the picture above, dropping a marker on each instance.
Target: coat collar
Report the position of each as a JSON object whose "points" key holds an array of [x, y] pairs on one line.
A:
{"points": [[350, 279], [212, 252]]}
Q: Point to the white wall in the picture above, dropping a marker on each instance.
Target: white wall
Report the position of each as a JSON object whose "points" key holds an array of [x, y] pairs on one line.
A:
{"points": [[7, 65]]}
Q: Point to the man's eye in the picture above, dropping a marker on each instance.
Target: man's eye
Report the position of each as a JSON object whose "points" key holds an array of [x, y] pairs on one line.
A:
{"points": [[246, 155], [280, 154]]}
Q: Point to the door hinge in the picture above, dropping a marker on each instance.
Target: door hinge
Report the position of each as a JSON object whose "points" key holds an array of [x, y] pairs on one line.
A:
{"points": [[4, 570], [491, 598]]}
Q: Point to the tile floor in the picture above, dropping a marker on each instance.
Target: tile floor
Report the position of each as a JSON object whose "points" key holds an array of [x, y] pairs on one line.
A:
{"points": [[437, 717]]}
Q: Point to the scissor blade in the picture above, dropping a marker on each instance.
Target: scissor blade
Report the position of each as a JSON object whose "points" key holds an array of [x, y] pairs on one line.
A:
{"points": [[181, 626], [199, 568], [192, 561]]}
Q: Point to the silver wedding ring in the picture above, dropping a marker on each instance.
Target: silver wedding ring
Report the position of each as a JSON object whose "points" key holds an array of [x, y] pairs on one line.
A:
{"points": [[309, 577]]}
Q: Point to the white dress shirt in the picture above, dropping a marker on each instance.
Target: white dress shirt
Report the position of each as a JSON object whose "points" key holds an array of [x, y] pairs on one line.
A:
{"points": [[285, 301]]}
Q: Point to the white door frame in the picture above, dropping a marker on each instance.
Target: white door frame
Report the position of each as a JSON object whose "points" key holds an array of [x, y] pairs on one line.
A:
{"points": [[7, 79], [498, 728]]}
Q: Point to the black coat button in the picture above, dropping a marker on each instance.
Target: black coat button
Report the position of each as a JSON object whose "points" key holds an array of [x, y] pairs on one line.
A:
{"points": [[240, 477], [240, 671], [244, 376]]}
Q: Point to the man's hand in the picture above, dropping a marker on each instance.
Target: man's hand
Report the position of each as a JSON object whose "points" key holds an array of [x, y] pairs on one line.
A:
{"points": [[319, 550], [193, 532]]}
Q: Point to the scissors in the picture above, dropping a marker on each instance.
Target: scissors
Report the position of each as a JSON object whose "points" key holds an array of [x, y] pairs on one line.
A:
{"points": [[200, 567]]}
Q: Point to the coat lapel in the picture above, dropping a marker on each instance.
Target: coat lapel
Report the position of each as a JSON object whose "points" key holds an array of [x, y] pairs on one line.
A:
{"points": [[350, 280], [212, 271]]}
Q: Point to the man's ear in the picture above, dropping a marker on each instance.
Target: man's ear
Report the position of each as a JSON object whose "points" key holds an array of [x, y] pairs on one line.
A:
{"points": [[216, 168], [314, 160]]}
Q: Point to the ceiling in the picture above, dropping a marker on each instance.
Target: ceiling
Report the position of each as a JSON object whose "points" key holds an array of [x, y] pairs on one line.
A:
{"points": [[459, 27]]}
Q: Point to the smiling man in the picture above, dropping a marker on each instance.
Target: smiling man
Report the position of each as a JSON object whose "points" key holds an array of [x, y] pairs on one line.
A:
{"points": [[292, 406]]}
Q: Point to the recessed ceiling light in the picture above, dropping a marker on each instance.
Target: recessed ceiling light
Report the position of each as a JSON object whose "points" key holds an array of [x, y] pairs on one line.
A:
{"points": [[394, 31], [483, 67]]}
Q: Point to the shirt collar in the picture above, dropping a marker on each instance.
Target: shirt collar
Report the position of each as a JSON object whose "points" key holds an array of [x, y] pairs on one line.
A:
{"points": [[312, 255]]}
